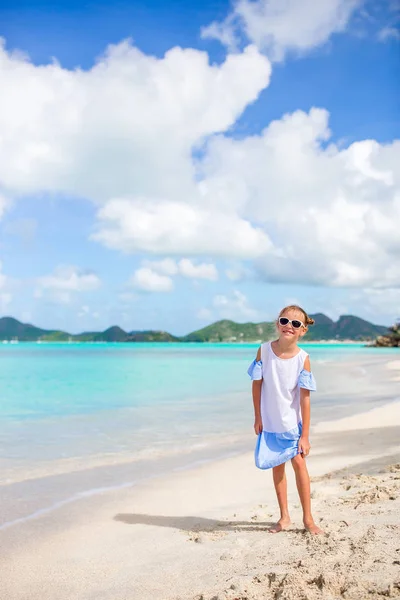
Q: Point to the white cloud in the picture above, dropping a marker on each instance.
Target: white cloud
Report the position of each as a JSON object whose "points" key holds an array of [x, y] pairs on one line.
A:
{"points": [[239, 272], [85, 311], [234, 307], [201, 271], [149, 281], [166, 266], [4, 203], [123, 135], [388, 33], [66, 281], [278, 27], [156, 276], [125, 127], [164, 227], [379, 302], [332, 214], [184, 267]]}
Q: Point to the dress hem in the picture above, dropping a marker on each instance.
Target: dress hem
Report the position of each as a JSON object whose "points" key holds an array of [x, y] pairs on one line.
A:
{"points": [[280, 461]]}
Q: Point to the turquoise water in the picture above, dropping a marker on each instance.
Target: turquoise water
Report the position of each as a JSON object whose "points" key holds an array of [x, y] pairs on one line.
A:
{"points": [[48, 380]]}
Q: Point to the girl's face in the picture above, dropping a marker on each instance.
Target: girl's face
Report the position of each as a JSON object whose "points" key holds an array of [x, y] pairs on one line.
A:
{"points": [[288, 332]]}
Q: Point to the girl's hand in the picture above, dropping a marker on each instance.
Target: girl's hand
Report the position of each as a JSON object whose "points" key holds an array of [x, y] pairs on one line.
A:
{"points": [[258, 426], [304, 446]]}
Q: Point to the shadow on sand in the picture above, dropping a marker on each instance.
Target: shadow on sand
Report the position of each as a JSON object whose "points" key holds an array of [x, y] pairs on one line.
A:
{"points": [[190, 523]]}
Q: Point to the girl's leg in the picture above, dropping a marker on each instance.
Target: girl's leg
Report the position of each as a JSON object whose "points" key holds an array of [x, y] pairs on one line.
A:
{"points": [[281, 492], [303, 487]]}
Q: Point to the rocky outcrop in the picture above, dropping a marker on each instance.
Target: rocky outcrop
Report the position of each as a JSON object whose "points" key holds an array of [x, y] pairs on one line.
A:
{"points": [[391, 340]]}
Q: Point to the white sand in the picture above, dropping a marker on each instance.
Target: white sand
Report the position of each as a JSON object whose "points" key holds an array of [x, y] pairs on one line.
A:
{"points": [[385, 416], [393, 365], [202, 534]]}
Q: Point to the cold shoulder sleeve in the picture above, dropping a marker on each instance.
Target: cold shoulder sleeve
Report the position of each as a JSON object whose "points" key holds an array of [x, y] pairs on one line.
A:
{"points": [[255, 370], [307, 381]]}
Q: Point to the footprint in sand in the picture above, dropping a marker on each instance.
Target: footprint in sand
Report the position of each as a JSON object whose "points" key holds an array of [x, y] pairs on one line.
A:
{"points": [[202, 536]]}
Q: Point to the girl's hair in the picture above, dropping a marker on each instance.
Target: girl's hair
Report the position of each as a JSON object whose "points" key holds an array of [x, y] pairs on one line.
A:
{"points": [[307, 320]]}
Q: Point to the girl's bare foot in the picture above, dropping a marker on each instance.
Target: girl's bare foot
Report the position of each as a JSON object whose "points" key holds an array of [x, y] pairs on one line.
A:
{"points": [[313, 528], [281, 525]]}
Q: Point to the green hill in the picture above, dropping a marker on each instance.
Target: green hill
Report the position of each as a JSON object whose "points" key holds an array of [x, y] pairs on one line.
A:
{"points": [[55, 336], [11, 329], [112, 334], [322, 329], [151, 336], [229, 331], [347, 327]]}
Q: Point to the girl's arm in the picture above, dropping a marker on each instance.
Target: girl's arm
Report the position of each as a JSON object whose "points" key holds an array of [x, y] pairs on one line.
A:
{"points": [[304, 443], [256, 390], [305, 411]]}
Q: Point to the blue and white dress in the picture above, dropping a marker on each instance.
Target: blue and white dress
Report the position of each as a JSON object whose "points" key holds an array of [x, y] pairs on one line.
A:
{"points": [[282, 379]]}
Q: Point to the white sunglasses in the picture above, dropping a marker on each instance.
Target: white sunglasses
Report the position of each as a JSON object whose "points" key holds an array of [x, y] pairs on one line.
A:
{"points": [[295, 323]]}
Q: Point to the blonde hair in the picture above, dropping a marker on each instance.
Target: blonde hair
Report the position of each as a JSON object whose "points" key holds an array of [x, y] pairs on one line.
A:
{"points": [[307, 320]]}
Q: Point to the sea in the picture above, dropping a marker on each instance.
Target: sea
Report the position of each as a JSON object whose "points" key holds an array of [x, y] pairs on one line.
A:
{"points": [[84, 418]]}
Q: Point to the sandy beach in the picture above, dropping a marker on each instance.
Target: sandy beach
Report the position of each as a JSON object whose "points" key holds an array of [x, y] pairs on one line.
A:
{"points": [[202, 534]]}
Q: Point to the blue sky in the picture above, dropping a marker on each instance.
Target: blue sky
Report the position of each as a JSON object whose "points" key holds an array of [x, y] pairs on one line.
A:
{"points": [[158, 188]]}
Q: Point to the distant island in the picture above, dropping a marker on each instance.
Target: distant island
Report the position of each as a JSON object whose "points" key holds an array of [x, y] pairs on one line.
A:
{"points": [[347, 327]]}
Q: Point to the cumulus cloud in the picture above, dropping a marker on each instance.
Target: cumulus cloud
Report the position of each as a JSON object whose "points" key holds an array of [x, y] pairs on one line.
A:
{"points": [[166, 266], [184, 267], [330, 213], [239, 272], [126, 126], [4, 202], [148, 280], [379, 302], [163, 227], [85, 311], [278, 27], [201, 271], [123, 135], [236, 306], [65, 281], [156, 276]]}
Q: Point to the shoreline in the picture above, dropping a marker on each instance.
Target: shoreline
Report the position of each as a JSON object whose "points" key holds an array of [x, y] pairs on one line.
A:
{"points": [[47, 484], [323, 432]]}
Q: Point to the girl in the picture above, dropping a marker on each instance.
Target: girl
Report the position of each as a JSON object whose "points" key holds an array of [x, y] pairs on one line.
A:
{"points": [[282, 381]]}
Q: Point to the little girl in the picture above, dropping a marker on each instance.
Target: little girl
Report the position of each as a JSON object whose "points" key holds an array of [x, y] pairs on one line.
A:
{"points": [[282, 381]]}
